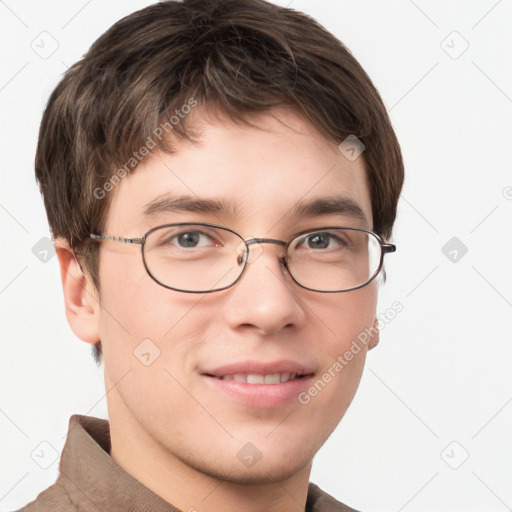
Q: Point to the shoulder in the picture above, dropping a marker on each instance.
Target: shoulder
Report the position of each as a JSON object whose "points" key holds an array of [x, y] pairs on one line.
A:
{"points": [[55, 498], [320, 501]]}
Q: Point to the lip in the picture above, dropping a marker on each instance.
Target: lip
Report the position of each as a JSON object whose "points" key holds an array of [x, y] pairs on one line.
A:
{"points": [[281, 366], [260, 396]]}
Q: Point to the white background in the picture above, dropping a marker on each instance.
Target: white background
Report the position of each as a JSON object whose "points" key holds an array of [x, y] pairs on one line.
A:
{"points": [[442, 370]]}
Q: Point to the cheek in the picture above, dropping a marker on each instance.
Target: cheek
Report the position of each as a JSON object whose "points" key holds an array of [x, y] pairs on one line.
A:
{"points": [[348, 317], [348, 322], [138, 316], [147, 339], [133, 310], [132, 303]]}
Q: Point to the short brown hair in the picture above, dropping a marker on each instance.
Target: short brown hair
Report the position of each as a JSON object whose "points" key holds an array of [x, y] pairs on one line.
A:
{"points": [[240, 56]]}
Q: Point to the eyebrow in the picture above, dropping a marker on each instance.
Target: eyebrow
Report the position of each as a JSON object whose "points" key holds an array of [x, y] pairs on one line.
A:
{"points": [[167, 203], [329, 205]]}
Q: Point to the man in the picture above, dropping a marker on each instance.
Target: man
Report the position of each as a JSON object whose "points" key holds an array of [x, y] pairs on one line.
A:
{"points": [[221, 180]]}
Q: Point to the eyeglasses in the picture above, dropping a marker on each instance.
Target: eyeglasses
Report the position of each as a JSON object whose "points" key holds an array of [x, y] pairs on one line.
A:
{"points": [[201, 258]]}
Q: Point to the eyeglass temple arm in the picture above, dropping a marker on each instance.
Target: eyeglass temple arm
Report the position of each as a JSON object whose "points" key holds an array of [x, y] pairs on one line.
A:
{"points": [[386, 248], [116, 239]]}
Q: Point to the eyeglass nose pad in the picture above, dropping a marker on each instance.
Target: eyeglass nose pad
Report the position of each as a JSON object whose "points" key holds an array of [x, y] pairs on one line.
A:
{"points": [[241, 258], [242, 252], [246, 254]]}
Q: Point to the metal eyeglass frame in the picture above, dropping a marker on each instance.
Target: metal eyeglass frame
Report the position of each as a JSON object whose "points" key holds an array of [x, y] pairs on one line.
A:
{"points": [[385, 249]]}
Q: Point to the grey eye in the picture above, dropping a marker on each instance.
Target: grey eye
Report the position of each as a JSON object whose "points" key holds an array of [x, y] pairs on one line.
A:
{"points": [[190, 239], [318, 240]]}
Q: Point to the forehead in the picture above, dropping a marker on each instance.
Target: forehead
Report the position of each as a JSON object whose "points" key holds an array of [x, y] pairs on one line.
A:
{"points": [[280, 166]]}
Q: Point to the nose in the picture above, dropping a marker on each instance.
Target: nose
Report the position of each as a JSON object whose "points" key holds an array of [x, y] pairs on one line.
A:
{"points": [[265, 298]]}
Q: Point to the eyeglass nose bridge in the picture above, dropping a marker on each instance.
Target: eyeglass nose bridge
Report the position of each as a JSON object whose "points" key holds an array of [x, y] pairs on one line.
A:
{"points": [[245, 257]]}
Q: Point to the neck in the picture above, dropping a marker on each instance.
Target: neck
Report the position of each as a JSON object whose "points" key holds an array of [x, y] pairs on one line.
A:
{"points": [[190, 489]]}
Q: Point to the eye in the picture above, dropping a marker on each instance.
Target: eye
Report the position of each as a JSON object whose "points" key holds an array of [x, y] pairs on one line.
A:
{"points": [[323, 240], [192, 239]]}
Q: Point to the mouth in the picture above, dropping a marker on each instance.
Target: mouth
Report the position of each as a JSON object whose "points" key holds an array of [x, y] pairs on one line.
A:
{"points": [[260, 385], [257, 378]]}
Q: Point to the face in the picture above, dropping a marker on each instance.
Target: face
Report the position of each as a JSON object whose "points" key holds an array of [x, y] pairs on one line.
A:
{"points": [[166, 392]]}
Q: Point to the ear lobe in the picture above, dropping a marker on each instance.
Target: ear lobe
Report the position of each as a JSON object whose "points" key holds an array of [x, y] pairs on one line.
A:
{"points": [[80, 296], [374, 340]]}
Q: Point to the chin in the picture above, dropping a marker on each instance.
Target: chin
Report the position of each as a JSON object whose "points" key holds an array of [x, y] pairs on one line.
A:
{"points": [[266, 473], [268, 468]]}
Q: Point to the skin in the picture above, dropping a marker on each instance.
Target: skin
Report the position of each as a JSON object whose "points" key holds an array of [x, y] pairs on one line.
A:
{"points": [[169, 429]]}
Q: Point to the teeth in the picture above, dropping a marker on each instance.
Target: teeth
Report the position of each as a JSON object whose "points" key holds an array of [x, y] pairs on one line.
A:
{"points": [[274, 378], [255, 378]]}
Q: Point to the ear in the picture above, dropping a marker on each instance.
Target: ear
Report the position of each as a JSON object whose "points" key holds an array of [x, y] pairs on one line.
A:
{"points": [[375, 338], [80, 296]]}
